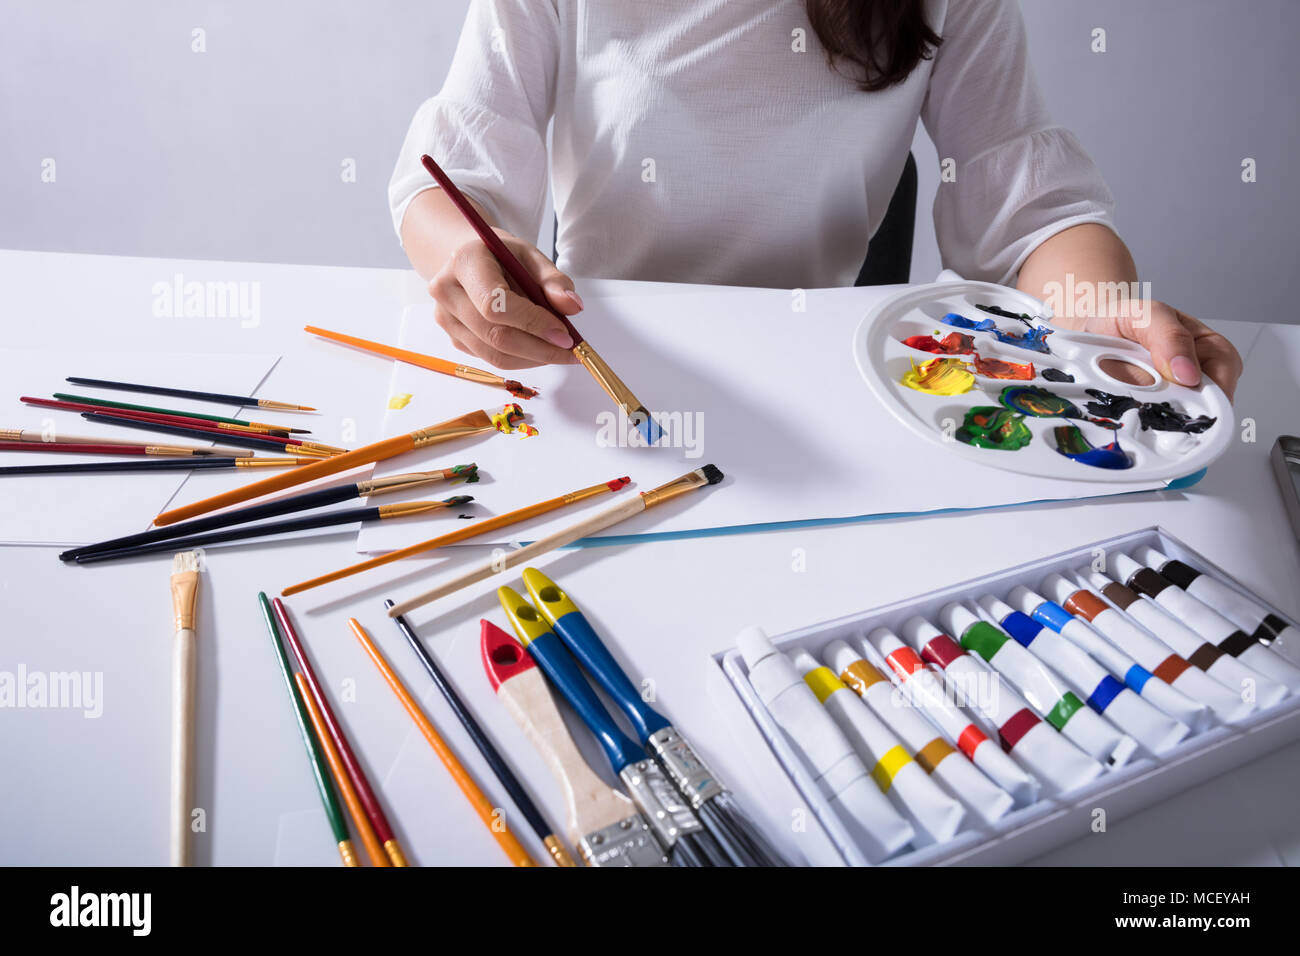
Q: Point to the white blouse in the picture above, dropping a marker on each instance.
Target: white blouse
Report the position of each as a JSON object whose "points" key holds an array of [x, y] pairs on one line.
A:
{"points": [[708, 141]]}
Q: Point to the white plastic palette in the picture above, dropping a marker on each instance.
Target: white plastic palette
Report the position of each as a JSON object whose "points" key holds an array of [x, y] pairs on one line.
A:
{"points": [[883, 359]]}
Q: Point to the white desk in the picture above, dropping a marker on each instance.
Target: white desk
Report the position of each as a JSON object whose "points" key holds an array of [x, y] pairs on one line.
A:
{"points": [[93, 791]]}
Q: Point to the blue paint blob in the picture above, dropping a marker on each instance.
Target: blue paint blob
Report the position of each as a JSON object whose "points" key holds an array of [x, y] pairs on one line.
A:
{"points": [[1034, 339], [1071, 443]]}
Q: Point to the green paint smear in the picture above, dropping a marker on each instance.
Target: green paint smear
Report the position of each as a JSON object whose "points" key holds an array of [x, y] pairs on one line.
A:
{"points": [[988, 426], [983, 639], [1060, 715]]}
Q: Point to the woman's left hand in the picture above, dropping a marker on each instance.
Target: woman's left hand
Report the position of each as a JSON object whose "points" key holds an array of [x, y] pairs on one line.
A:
{"points": [[1182, 348]]}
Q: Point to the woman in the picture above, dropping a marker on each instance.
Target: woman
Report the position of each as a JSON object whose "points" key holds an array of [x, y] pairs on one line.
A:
{"points": [[755, 142]]}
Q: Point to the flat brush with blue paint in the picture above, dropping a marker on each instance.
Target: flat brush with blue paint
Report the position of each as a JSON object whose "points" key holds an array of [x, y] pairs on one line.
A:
{"points": [[646, 426], [671, 819], [716, 806]]}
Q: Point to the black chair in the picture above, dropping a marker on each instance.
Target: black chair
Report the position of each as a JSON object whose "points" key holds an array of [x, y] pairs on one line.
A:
{"points": [[889, 256]]}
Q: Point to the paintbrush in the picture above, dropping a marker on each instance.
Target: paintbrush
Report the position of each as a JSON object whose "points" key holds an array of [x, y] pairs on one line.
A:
{"points": [[91, 446], [462, 534], [510, 418], [33, 437], [708, 475], [402, 509], [287, 505], [255, 441], [431, 362], [675, 826], [716, 806], [220, 398], [185, 593], [179, 419], [152, 464], [127, 406], [631, 406], [603, 823], [313, 744], [488, 749], [491, 817]]}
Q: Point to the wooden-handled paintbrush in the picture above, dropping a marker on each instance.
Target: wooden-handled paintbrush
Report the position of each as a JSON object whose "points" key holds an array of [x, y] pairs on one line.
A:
{"points": [[614, 387], [31, 436], [603, 823], [185, 593], [692, 480], [510, 418]]}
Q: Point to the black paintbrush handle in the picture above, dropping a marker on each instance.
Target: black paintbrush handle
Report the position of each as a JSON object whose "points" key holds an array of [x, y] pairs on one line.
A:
{"points": [[303, 502], [347, 516], [224, 438], [105, 467], [158, 390]]}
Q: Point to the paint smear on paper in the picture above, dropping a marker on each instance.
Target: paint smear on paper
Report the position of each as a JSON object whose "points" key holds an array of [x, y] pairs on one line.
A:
{"points": [[400, 401], [510, 420], [988, 426], [519, 390], [1071, 443], [1056, 375], [954, 343], [940, 376], [996, 368]]}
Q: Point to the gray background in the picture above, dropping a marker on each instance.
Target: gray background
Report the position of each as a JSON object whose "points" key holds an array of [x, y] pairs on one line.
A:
{"points": [[236, 153]]}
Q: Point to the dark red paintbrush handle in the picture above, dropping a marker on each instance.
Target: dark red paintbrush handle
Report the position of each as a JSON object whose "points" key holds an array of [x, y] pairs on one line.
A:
{"points": [[523, 278]]}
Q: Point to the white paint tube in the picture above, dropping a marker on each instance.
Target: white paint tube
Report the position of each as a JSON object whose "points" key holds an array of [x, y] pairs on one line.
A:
{"points": [[934, 755], [1096, 686], [1044, 690], [870, 818], [925, 689], [1059, 764], [1174, 702]]}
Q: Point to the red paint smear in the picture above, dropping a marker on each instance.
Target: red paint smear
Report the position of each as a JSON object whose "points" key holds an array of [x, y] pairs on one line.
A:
{"points": [[618, 483], [519, 390], [996, 368], [954, 343]]}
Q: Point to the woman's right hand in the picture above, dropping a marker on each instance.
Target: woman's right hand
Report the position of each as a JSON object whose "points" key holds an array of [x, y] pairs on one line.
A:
{"points": [[486, 315]]}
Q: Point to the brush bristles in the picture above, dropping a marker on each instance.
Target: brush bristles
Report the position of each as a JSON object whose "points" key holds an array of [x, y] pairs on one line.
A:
{"points": [[185, 561], [712, 474]]}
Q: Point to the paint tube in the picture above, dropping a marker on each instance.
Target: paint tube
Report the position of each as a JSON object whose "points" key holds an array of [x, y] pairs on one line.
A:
{"points": [[900, 778], [870, 818], [936, 756], [1100, 690], [926, 692], [1174, 702], [1059, 764], [1226, 671], [1265, 626], [1216, 627], [1054, 702], [1200, 620]]}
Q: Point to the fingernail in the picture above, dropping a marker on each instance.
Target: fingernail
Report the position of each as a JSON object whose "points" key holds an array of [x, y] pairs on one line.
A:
{"points": [[1185, 371], [560, 338], [577, 299]]}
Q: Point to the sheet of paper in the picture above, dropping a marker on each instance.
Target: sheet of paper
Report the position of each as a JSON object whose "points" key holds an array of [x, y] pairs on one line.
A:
{"points": [[67, 510], [767, 393]]}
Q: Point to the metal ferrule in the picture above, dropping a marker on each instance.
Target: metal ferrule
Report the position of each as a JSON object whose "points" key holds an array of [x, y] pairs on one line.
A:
{"points": [[430, 436], [11, 434], [585, 493], [607, 380], [401, 508], [382, 486], [470, 374], [626, 843], [678, 486], [684, 767], [669, 816]]}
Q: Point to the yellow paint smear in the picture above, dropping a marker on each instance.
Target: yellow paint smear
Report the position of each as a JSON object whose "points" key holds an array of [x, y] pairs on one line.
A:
{"points": [[940, 376], [400, 401]]}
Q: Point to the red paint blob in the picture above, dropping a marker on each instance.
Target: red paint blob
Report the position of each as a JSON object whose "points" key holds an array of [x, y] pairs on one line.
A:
{"points": [[618, 483], [519, 390]]}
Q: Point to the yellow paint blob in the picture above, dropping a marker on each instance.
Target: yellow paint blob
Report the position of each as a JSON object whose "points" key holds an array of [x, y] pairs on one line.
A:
{"points": [[400, 401], [940, 376]]}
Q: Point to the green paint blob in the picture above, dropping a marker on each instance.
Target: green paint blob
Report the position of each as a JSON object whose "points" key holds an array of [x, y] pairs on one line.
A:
{"points": [[988, 426]]}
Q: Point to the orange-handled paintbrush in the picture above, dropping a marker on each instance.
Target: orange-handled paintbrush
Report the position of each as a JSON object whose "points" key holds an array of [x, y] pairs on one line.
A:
{"points": [[462, 534], [509, 419], [434, 364]]}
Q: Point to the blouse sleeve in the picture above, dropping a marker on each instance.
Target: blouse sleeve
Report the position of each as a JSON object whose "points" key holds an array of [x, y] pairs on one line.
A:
{"points": [[487, 126], [1019, 178]]}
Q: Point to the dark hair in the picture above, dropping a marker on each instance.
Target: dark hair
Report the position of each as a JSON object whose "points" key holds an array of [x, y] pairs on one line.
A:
{"points": [[881, 40]]}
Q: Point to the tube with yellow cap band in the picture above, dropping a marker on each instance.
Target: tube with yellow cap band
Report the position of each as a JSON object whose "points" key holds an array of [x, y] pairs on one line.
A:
{"points": [[935, 813]]}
